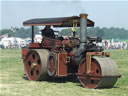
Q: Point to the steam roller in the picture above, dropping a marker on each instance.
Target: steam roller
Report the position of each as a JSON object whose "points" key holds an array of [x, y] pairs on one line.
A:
{"points": [[62, 57]]}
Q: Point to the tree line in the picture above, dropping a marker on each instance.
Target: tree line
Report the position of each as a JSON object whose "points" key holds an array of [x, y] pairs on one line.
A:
{"points": [[20, 32], [104, 33]]}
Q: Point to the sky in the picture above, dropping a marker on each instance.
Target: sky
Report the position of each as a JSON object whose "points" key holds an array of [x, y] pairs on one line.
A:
{"points": [[103, 13]]}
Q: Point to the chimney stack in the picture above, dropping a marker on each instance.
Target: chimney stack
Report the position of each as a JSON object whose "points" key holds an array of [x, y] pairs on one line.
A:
{"points": [[83, 28]]}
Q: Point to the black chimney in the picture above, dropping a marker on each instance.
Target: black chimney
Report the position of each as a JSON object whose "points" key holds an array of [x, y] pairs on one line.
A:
{"points": [[83, 29], [80, 52]]}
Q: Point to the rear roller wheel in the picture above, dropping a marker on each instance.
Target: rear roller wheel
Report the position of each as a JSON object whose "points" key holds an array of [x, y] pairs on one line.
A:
{"points": [[36, 64], [104, 73]]}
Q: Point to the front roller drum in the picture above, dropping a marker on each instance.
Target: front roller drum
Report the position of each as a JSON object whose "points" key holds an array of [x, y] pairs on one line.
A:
{"points": [[36, 64], [103, 74]]}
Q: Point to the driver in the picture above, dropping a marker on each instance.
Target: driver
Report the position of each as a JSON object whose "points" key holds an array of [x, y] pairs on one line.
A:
{"points": [[48, 32]]}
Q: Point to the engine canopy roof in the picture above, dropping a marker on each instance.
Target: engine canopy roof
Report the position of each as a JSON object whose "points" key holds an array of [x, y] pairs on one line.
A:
{"points": [[57, 22]]}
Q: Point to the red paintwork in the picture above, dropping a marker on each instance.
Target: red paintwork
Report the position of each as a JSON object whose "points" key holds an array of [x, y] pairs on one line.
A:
{"points": [[58, 43], [33, 73], [46, 43], [68, 43], [24, 52], [91, 79], [62, 69], [34, 45]]}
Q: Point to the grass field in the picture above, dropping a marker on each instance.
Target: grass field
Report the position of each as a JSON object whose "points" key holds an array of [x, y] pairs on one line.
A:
{"points": [[13, 81]]}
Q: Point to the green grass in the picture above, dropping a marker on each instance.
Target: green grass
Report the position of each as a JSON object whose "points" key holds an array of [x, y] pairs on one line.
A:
{"points": [[14, 83], [126, 41]]}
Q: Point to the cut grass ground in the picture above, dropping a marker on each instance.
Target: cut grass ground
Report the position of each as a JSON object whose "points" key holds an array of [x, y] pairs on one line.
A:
{"points": [[13, 81]]}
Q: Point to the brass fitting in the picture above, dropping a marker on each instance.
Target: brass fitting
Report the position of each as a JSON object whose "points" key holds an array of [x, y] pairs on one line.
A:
{"points": [[84, 15]]}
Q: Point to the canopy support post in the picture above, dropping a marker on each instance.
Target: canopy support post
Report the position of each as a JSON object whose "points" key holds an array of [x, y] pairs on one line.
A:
{"points": [[32, 34]]}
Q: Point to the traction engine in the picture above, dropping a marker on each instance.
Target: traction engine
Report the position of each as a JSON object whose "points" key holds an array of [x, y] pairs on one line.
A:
{"points": [[73, 56]]}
